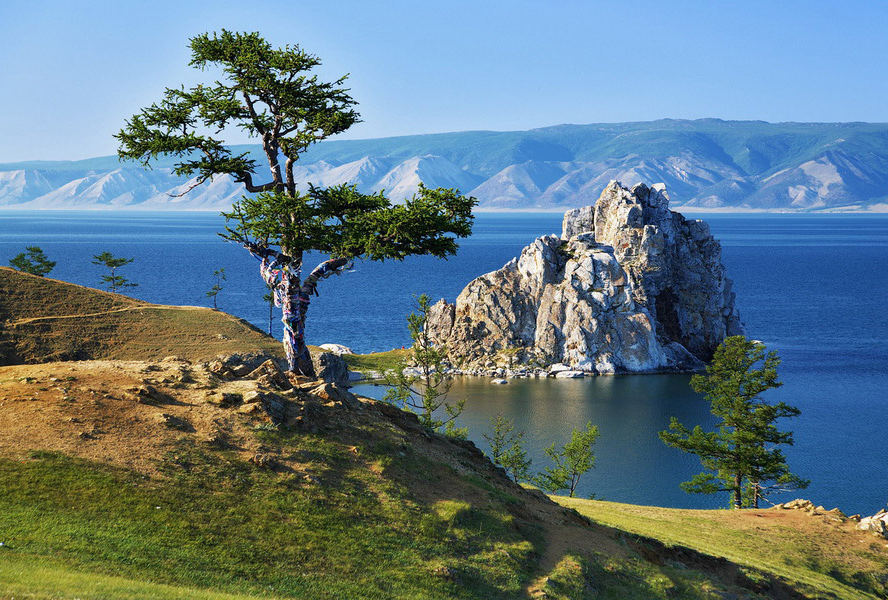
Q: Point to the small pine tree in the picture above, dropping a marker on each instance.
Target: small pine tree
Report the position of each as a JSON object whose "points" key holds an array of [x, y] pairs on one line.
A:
{"points": [[507, 448], [741, 454], [113, 280], [571, 462], [33, 261], [219, 276], [269, 297], [419, 384]]}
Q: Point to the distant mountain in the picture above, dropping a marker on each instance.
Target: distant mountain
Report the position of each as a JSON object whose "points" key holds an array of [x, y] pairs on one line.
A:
{"points": [[705, 164]]}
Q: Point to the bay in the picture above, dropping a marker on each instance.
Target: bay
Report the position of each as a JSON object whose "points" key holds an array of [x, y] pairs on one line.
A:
{"points": [[812, 287]]}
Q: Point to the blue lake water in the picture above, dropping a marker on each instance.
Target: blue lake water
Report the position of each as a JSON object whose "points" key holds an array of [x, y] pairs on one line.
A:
{"points": [[812, 287]]}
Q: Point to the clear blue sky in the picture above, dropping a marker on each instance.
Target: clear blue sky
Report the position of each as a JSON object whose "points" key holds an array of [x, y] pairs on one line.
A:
{"points": [[73, 71]]}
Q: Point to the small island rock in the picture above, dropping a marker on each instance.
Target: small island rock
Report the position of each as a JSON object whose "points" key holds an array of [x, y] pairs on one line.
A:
{"points": [[630, 286]]}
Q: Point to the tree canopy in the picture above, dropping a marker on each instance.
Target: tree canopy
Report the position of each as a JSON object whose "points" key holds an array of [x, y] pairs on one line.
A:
{"points": [[741, 455], [570, 462], [268, 93], [33, 261], [112, 263]]}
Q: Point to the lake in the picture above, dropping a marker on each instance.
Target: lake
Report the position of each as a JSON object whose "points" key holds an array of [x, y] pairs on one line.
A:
{"points": [[812, 287]]}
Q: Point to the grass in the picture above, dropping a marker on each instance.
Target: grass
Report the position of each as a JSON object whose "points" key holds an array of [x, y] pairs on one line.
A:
{"points": [[363, 526], [219, 528], [215, 523], [821, 557], [45, 579], [377, 361]]}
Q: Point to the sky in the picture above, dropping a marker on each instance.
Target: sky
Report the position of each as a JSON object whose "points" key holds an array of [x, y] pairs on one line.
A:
{"points": [[73, 72]]}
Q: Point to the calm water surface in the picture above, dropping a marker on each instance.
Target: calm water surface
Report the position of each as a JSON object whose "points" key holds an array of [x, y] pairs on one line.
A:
{"points": [[814, 288]]}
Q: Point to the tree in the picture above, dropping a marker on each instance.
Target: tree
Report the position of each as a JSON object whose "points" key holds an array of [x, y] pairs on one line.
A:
{"points": [[269, 297], [33, 261], [113, 280], [270, 93], [420, 384], [507, 448], [571, 462], [741, 455], [219, 277]]}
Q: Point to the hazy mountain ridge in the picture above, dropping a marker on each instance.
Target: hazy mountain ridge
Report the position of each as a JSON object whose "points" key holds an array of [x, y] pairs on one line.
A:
{"points": [[705, 163]]}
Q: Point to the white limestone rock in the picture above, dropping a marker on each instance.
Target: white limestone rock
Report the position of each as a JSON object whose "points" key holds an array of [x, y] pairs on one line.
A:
{"points": [[337, 349], [877, 524], [629, 287], [570, 375]]}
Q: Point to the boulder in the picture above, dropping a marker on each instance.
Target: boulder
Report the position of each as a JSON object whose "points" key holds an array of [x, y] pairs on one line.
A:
{"points": [[630, 286], [330, 367], [877, 524], [499, 381], [331, 392], [570, 374], [337, 349], [269, 375]]}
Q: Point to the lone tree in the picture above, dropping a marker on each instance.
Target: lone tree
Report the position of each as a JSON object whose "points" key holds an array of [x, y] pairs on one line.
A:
{"points": [[507, 448], [270, 94], [33, 261], [218, 278], [420, 383], [113, 280], [741, 454], [571, 462]]}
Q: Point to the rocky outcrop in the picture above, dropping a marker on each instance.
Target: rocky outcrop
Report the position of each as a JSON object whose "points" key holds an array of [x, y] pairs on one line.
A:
{"points": [[877, 524], [630, 286]]}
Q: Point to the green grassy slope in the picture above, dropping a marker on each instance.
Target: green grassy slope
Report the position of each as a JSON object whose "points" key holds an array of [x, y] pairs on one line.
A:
{"points": [[347, 503], [368, 524], [820, 551]]}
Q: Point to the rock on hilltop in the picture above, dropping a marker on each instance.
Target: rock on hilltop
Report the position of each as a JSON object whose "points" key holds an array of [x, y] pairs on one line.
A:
{"points": [[630, 286]]}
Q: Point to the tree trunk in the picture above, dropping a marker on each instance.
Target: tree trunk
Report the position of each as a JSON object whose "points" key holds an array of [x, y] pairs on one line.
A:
{"points": [[298, 356], [281, 274], [298, 298], [738, 492]]}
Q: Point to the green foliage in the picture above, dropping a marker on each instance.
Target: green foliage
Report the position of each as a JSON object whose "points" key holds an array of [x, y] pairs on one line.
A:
{"points": [[507, 448], [419, 383], [267, 92], [571, 462], [33, 261], [113, 263], [219, 277], [343, 222], [740, 456]]}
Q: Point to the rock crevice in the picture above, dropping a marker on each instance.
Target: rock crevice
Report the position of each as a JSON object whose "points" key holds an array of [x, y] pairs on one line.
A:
{"points": [[630, 286]]}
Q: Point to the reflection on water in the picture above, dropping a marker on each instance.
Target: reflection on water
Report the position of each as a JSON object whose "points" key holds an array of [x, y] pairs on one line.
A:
{"points": [[632, 464]]}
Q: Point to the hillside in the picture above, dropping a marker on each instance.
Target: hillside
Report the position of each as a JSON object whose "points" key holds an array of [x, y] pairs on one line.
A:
{"points": [[706, 164], [137, 474], [43, 320], [161, 479]]}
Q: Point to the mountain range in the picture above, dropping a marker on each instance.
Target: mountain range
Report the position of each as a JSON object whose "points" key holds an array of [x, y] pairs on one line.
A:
{"points": [[706, 164]]}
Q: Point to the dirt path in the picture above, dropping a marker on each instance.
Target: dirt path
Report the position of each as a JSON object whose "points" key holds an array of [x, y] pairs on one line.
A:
{"points": [[105, 312]]}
